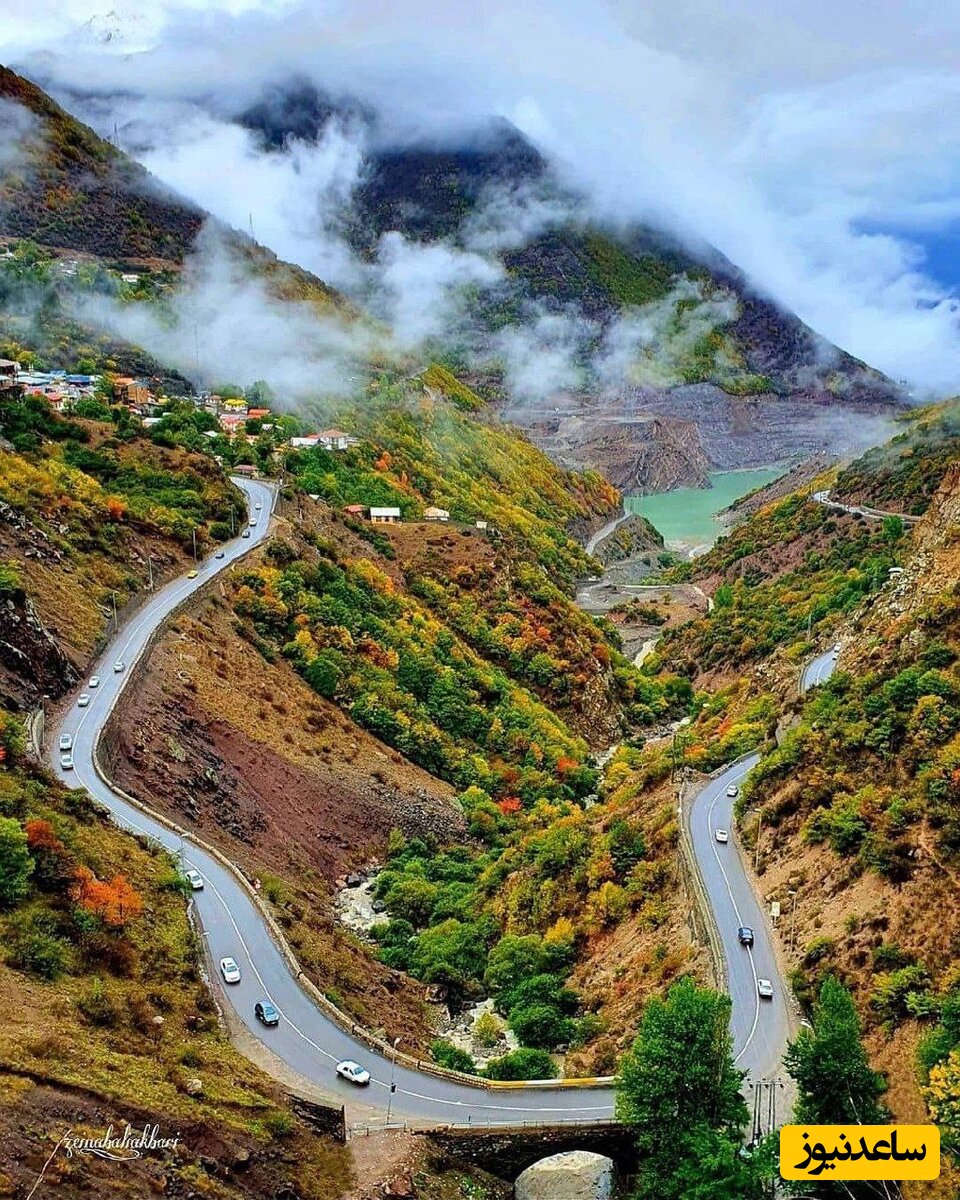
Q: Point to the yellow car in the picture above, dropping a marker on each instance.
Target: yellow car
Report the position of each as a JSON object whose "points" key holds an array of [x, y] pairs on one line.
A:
{"points": [[192, 574]]}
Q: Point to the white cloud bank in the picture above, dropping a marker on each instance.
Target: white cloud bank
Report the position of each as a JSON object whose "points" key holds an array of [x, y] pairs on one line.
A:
{"points": [[774, 130]]}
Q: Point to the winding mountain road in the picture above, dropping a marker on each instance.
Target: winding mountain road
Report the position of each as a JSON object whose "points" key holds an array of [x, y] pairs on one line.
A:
{"points": [[309, 1039]]}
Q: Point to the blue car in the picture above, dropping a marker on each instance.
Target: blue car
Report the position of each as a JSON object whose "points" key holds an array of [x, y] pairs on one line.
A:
{"points": [[266, 1013]]}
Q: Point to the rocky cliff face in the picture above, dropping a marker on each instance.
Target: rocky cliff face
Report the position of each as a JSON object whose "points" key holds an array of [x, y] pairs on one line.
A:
{"points": [[638, 452], [32, 664]]}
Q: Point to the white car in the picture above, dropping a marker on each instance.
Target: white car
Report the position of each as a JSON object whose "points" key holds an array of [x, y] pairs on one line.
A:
{"points": [[253, 520], [229, 970], [119, 666], [258, 505], [83, 700], [94, 681], [733, 790], [246, 533], [722, 835], [195, 879], [66, 741], [66, 762], [764, 989], [353, 1072]]}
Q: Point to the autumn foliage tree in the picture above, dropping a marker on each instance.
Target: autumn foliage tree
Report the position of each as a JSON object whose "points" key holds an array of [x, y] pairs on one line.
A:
{"points": [[116, 902]]}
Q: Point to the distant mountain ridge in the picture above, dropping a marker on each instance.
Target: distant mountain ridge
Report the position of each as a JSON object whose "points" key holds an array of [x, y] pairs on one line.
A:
{"points": [[762, 355]]}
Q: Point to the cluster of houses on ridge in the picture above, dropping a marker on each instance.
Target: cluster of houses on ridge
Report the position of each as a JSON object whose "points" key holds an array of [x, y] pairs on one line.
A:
{"points": [[62, 390]]}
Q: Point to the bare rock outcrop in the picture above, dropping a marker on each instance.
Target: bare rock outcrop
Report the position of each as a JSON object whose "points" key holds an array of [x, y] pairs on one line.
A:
{"points": [[574, 1175]]}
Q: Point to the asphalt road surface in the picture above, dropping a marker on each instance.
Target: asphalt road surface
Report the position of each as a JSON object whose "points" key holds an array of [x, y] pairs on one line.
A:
{"points": [[760, 1028], [818, 670], [306, 1039], [310, 1041]]}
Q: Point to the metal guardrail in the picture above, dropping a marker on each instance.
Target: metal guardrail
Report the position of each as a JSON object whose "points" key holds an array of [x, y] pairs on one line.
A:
{"points": [[366, 1128]]}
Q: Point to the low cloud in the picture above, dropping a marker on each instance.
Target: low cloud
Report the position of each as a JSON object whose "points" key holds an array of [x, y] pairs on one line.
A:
{"points": [[20, 137], [803, 142], [223, 325]]}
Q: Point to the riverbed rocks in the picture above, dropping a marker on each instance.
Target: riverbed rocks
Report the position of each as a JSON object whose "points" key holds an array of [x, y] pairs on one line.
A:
{"points": [[573, 1175]]}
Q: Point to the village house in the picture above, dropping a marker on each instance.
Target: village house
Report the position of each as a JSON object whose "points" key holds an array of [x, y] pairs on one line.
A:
{"points": [[131, 392], [307, 442], [231, 422], [335, 439], [435, 514], [384, 516], [354, 510], [9, 371]]}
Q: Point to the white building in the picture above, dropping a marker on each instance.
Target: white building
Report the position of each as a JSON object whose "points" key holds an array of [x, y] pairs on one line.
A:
{"points": [[384, 516]]}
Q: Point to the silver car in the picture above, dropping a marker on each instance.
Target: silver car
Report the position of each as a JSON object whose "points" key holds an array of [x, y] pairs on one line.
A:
{"points": [[352, 1072], [229, 970], [764, 989], [66, 741]]}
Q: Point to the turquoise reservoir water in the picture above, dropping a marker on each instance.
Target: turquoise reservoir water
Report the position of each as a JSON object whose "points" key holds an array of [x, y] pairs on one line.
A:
{"points": [[685, 516]]}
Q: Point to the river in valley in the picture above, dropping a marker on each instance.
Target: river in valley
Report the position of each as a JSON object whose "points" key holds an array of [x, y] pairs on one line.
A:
{"points": [[687, 517]]}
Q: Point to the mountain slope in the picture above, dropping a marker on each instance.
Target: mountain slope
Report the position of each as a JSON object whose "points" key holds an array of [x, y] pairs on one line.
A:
{"points": [[68, 189], [691, 337]]}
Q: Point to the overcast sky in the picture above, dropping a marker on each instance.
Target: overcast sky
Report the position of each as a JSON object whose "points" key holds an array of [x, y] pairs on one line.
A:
{"points": [[816, 143]]}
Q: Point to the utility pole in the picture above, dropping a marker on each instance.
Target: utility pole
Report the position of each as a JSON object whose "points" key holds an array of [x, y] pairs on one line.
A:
{"points": [[393, 1077]]}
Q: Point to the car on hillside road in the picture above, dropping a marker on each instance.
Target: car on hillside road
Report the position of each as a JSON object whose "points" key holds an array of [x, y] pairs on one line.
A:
{"points": [[94, 681], [722, 835], [745, 935], [246, 533], [733, 790], [764, 989], [219, 554], [66, 741], [253, 521], [258, 505], [119, 666], [194, 878], [83, 700], [66, 762], [352, 1072], [229, 970], [266, 1013], [193, 574]]}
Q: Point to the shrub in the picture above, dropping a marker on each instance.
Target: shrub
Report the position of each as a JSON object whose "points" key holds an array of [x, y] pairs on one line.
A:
{"points": [[487, 1030], [15, 861], [541, 1026], [279, 1124], [35, 947], [522, 1064], [893, 995], [445, 1054], [97, 1005]]}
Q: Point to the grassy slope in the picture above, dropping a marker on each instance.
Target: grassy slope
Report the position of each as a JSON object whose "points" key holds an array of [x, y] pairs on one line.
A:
{"points": [[859, 800], [94, 1034], [85, 503]]}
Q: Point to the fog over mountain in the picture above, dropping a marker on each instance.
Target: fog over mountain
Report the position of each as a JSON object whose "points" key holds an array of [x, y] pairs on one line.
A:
{"points": [[667, 112]]}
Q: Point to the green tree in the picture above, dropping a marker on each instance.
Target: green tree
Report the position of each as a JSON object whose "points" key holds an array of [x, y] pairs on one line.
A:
{"points": [[835, 1083], [679, 1089], [522, 1064], [15, 861]]}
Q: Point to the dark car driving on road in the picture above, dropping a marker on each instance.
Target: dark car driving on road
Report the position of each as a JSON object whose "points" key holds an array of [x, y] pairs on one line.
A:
{"points": [[745, 934], [264, 1011]]}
